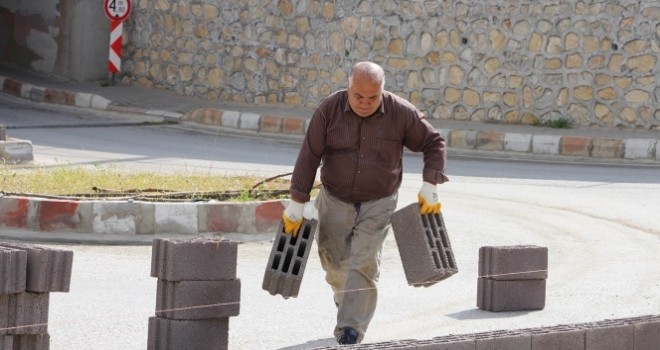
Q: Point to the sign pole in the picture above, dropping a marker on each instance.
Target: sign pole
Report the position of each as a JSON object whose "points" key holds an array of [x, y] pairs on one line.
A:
{"points": [[117, 11]]}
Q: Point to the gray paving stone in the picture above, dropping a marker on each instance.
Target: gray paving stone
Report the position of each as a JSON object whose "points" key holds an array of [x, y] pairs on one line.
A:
{"points": [[13, 269], [424, 246], [24, 313], [495, 295], [48, 269], [193, 300], [166, 334], [288, 259], [517, 262], [195, 259]]}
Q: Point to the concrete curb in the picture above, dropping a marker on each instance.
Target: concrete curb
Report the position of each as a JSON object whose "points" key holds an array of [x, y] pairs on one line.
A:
{"points": [[140, 219], [506, 143], [16, 151]]}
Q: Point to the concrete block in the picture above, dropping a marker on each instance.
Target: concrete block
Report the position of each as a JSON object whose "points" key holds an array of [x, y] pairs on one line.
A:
{"points": [[424, 246], [16, 151], [6, 342], [166, 334], [179, 218], [24, 313], [123, 218], [99, 102], [639, 148], [546, 144], [575, 146], [496, 295], [48, 269], [498, 340], [270, 124], [610, 338], [607, 148], [288, 259], [31, 342], [196, 259], [518, 262], [553, 339], [646, 335], [195, 300], [83, 100], [517, 142], [13, 267], [466, 139]]}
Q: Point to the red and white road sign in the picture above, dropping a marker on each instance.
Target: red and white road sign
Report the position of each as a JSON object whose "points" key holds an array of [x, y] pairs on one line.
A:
{"points": [[114, 62], [117, 10]]}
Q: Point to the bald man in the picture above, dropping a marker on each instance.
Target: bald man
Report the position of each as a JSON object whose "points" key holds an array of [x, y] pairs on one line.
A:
{"points": [[358, 135]]}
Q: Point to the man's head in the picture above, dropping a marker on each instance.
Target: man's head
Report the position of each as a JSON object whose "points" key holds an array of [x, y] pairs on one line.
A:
{"points": [[365, 88]]}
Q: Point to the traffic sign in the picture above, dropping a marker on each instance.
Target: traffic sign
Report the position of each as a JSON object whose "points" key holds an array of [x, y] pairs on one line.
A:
{"points": [[117, 10]]}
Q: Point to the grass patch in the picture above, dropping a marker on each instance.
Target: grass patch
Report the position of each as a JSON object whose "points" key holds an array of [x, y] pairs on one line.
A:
{"points": [[111, 183]]}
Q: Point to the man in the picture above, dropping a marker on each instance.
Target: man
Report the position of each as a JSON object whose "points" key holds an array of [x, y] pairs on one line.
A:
{"points": [[359, 134]]}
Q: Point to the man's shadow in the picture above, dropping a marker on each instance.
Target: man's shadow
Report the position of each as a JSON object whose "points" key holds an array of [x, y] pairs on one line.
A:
{"points": [[312, 344]]}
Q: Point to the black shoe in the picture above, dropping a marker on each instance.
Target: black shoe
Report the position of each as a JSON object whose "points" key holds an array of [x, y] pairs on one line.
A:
{"points": [[348, 335]]}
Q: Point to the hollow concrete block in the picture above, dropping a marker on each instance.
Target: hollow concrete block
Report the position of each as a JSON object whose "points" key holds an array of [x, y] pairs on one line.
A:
{"points": [[288, 259], [13, 267], [518, 262], [496, 295], [166, 334], [194, 300], [196, 259], [424, 246], [24, 313], [48, 269]]}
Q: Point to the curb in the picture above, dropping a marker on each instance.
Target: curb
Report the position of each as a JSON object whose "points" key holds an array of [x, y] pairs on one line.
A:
{"points": [[140, 219], [16, 151], [572, 147]]}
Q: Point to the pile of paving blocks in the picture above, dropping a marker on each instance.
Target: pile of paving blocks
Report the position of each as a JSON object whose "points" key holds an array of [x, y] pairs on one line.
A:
{"points": [[512, 278], [287, 260], [197, 292], [635, 333], [28, 274], [424, 246]]}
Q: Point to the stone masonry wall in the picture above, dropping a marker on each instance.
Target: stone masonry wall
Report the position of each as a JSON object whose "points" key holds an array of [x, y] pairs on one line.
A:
{"points": [[594, 62]]}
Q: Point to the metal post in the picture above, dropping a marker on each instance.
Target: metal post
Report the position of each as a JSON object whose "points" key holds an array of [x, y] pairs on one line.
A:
{"points": [[3, 132]]}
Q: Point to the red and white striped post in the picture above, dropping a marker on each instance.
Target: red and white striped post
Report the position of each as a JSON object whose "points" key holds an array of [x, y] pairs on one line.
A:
{"points": [[117, 11]]}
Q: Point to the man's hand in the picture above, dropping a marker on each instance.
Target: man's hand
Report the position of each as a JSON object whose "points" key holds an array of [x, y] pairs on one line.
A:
{"points": [[428, 199], [293, 217]]}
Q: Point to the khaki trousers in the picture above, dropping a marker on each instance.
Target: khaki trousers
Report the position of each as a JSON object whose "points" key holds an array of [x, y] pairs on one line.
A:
{"points": [[350, 241]]}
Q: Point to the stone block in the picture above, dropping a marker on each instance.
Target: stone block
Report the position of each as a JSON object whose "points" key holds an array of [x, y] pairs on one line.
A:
{"points": [[195, 300], [288, 259], [424, 246], [196, 259]]}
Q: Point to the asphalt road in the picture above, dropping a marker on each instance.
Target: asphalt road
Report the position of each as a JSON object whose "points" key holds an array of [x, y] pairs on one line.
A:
{"points": [[599, 222]]}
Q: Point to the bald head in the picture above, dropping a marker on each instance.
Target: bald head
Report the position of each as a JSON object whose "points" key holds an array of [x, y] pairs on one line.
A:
{"points": [[367, 72], [365, 88]]}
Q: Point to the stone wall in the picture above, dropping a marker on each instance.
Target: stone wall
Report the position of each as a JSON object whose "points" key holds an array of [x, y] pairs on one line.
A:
{"points": [[508, 61]]}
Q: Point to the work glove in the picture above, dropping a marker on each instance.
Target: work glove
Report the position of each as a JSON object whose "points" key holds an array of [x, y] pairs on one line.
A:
{"points": [[428, 199], [293, 217]]}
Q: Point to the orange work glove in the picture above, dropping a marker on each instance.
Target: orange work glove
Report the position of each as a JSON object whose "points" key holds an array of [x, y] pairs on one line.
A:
{"points": [[428, 199], [293, 217]]}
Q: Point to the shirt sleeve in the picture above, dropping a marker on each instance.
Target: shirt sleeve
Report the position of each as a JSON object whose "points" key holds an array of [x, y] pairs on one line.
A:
{"points": [[309, 158], [421, 136]]}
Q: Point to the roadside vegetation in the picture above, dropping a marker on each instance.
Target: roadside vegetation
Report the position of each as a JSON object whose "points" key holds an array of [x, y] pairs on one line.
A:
{"points": [[101, 182]]}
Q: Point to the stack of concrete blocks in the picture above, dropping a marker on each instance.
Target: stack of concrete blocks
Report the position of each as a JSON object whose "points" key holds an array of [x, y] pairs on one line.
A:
{"points": [[28, 274], [197, 292], [424, 246], [512, 278], [288, 259]]}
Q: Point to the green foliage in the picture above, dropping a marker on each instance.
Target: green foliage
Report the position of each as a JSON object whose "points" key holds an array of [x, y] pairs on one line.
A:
{"points": [[560, 123]]}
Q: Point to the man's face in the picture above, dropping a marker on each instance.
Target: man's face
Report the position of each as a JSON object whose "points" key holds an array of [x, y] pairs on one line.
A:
{"points": [[364, 96]]}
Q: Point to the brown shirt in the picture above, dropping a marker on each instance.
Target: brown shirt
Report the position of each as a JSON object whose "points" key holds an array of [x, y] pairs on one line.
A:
{"points": [[362, 157]]}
